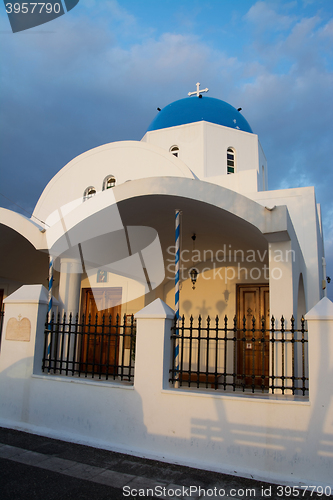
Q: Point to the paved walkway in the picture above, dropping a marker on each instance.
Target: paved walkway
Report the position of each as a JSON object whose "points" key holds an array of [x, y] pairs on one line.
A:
{"points": [[38, 468]]}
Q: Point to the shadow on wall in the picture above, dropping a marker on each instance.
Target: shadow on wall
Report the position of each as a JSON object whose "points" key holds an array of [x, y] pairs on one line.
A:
{"points": [[101, 415], [241, 434], [203, 309], [305, 436]]}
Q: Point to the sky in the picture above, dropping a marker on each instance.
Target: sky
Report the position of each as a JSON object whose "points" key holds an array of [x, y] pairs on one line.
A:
{"points": [[98, 73]]}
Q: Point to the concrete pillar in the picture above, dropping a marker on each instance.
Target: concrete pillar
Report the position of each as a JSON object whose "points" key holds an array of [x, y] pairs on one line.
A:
{"points": [[281, 300], [320, 326], [281, 289], [69, 286], [319, 438], [153, 348], [21, 349]]}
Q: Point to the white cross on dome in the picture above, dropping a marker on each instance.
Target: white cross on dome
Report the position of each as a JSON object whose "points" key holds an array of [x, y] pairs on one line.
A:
{"points": [[197, 92]]}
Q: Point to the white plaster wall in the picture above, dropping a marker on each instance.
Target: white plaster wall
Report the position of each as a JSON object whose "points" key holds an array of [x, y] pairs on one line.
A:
{"points": [[215, 291], [240, 182], [218, 139], [269, 222], [320, 247], [133, 292], [277, 439], [203, 147], [127, 160], [190, 140], [302, 209], [262, 178]]}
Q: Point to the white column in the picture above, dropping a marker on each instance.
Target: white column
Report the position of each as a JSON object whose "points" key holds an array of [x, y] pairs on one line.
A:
{"points": [[69, 286], [320, 325], [22, 349], [319, 437], [153, 348], [281, 286], [281, 299]]}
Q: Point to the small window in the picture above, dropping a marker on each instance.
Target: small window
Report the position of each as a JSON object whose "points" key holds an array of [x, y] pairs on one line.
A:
{"points": [[231, 160], [89, 193], [109, 182], [174, 150]]}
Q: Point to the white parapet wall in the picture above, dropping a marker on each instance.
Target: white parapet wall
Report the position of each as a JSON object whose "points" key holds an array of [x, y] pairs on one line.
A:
{"points": [[287, 440]]}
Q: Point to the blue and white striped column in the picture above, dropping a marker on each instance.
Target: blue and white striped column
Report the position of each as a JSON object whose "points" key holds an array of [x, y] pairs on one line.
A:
{"points": [[177, 261], [49, 311]]}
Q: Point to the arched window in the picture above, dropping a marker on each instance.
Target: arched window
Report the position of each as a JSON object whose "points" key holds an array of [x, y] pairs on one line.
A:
{"points": [[109, 182], [174, 150], [89, 193], [231, 161]]}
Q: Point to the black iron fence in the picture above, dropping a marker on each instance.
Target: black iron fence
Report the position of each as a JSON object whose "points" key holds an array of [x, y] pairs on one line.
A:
{"points": [[102, 347], [250, 357]]}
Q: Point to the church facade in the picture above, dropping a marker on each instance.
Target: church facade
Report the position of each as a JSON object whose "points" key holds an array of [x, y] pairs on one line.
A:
{"points": [[106, 219], [249, 398]]}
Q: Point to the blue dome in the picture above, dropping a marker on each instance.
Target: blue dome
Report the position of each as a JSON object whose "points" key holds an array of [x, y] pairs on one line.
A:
{"points": [[195, 109]]}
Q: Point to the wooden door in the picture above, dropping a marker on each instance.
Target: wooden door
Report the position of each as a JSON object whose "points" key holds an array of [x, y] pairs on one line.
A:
{"points": [[1, 313], [100, 345], [252, 342]]}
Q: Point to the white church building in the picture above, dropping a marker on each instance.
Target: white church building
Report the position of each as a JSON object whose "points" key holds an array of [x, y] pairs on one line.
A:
{"points": [[247, 387], [107, 218]]}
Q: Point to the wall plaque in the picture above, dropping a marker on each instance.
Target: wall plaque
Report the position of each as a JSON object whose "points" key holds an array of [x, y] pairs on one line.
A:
{"points": [[18, 330]]}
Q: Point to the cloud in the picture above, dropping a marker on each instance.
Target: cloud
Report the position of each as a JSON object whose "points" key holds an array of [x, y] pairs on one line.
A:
{"points": [[101, 74], [264, 18]]}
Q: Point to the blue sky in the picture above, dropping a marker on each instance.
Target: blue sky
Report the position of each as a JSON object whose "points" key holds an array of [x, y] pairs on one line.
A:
{"points": [[98, 73]]}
